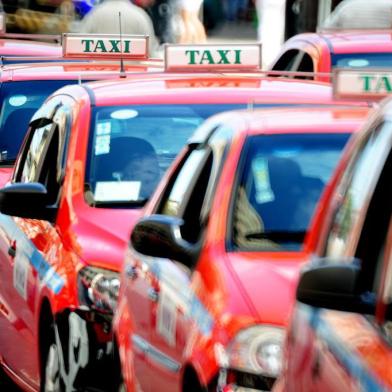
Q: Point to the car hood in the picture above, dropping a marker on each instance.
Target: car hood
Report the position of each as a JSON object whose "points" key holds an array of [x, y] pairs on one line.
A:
{"points": [[103, 235], [5, 175], [268, 282]]}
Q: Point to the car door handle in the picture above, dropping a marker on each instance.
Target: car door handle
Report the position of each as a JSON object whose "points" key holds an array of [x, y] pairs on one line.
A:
{"points": [[12, 250]]}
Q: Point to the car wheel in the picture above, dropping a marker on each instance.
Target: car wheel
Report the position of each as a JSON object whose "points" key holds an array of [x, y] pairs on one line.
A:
{"points": [[66, 354], [52, 370]]}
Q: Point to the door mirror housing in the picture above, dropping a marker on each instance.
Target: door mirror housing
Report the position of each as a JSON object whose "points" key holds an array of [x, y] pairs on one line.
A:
{"points": [[27, 200], [333, 285], [160, 236]]}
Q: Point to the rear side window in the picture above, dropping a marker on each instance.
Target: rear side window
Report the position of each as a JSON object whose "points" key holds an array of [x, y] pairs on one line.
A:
{"points": [[354, 193], [295, 60], [19, 102], [35, 154]]}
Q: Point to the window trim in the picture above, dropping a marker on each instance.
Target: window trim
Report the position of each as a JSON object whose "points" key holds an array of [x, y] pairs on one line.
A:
{"points": [[192, 184]]}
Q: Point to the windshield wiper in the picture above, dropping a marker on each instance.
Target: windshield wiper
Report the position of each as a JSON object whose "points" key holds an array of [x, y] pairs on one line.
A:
{"points": [[278, 235], [120, 204]]}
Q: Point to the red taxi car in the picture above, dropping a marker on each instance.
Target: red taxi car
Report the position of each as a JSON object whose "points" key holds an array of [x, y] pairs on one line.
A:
{"points": [[339, 338], [24, 88], [209, 279], [93, 155], [321, 52]]}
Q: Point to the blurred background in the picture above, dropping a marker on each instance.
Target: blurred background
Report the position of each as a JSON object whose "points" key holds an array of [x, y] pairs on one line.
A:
{"points": [[218, 16]]}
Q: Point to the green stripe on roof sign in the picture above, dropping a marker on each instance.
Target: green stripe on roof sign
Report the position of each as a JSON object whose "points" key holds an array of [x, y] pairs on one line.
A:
{"points": [[219, 56], [376, 84], [111, 46], [214, 57], [362, 84]]}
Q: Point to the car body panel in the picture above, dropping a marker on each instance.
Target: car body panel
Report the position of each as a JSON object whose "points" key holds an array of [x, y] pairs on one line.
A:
{"points": [[338, 350], [321, 46], [227, 291]]}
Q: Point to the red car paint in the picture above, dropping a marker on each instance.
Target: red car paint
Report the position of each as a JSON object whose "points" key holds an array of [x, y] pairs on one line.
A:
{"points": [[340, 349], [234, 290], [319, 47]]}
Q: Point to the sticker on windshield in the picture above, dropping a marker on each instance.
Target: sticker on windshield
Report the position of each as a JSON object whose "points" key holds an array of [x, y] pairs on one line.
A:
{"points": [[117, 191], [104, 128], [102, 145], [17, 100], [21, 274], [264, 192], [124, 114], [358, 63]]}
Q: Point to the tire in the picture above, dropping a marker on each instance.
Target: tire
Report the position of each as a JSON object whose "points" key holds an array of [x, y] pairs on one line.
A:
{"points": [[52, 381], [61, 370]]}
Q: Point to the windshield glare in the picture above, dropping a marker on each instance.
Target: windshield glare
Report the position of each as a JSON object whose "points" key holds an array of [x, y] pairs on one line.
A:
{"points": [[362, 60], [131, 147], [280, 184], [19, 102]]}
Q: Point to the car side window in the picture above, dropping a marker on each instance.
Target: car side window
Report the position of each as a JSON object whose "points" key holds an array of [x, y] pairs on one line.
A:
{"points": [[353, 193], [372, 240], [43, 156], [286, 61], [185, 194], [295, 60], [386, 287], [35, 153]]}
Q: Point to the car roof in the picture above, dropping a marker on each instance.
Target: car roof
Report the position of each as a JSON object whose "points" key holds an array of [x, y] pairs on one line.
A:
{"points": [[14, 47], [63, 70], [208, 88], [351, 41], [326, 119]]}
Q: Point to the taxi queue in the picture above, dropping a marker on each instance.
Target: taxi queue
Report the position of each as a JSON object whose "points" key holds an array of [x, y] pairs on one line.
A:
{"points": [[218, 213]]}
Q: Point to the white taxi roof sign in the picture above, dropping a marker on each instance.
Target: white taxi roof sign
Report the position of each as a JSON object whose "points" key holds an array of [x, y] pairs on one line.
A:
{"points": [[213, 57], [105, 46], [362, 84]]}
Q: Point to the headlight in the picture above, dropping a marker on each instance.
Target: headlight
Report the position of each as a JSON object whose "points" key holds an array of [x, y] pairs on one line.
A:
{"points": [[257, 350], [98, 288]]}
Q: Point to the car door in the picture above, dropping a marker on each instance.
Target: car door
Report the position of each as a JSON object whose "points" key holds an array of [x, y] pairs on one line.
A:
{"points": [[174, 307], [26, 243], [334, 350]]}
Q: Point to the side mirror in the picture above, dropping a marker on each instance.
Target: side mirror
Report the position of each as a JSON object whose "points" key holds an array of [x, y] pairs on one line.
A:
{"points": [[26, 200], [160, 236], [333, 285]]}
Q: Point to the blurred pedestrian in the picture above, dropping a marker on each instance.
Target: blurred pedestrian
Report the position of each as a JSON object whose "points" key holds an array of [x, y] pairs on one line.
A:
{"points": [[236, 9], [192, 30], [361, 14], [271, 27], [104, 19]]}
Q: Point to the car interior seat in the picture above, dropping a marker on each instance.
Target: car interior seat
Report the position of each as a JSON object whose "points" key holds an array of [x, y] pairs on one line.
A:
{"points": [[124, 153], [286, 181]]}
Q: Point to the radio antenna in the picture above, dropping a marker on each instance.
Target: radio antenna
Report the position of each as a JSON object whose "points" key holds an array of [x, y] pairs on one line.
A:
{"points": [[122, 68]]}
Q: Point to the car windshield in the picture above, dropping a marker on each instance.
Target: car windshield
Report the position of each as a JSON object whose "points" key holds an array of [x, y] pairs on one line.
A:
{"points": [[19, 101], [279, 186], [362, 60], [132, 146]]}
